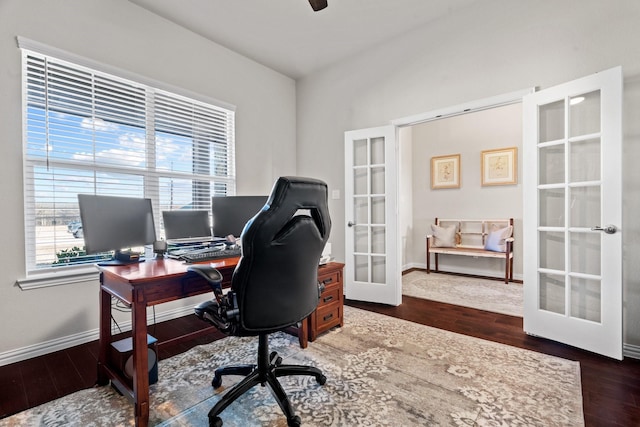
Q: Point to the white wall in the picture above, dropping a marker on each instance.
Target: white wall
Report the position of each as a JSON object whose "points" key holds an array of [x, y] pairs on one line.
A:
{"points": [[120, 34], [490, 48]]}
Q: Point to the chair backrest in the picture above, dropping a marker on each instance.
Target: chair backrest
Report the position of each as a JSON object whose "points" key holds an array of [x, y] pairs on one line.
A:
{"points": [[276, 280]]}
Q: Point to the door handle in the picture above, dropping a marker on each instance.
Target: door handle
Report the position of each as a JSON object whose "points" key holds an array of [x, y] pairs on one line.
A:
{"points": [[609, 229], [351, 224]]}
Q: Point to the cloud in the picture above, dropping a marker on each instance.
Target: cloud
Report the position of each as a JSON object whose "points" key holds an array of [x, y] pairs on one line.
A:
{"points": [[99, 125]]}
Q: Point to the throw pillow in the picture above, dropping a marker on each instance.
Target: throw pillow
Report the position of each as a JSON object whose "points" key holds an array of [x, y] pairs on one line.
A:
{"points": [[496, 240], [443, 237]]}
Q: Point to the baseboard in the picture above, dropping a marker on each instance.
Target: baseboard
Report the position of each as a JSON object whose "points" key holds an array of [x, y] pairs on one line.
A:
{"points": [[468, 271], [631, 351], [62, 343]]}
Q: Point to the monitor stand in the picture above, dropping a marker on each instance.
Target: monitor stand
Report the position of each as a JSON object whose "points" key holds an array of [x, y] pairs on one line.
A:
{"points": [[122, 258]]}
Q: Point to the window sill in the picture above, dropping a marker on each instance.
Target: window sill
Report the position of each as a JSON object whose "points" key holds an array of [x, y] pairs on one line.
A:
{"points": [[58, 278]]}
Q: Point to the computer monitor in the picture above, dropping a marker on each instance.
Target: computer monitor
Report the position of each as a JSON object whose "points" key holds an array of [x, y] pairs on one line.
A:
{"points": [[186, 225], [111, 223], [231, 213]]}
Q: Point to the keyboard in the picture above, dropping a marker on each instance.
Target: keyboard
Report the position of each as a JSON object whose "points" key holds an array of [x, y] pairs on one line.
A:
{"points": [[209, 254]]}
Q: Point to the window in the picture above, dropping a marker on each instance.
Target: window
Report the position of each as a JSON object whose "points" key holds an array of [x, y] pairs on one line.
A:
{"points": [[87, 131]]}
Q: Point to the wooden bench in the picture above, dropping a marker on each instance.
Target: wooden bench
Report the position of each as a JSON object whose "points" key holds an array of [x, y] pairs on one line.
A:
{"points": [[470, 239]]}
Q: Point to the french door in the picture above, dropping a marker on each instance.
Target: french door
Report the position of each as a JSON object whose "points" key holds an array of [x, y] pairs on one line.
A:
{"points": [[371, 211], [572, 213]]}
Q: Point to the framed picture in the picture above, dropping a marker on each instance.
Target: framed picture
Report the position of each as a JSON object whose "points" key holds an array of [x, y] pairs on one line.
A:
{"points": [[445, 171], [499, 166]]}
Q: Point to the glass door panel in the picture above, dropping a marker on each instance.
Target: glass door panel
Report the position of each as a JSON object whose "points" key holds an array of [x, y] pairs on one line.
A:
{"points": [[551, 164], [586, 299], [585, 206], [360, 181], [378, 236], [360, 152], [361, 239], [377, 180], [585, 252], [361, 268], [552, 250], [552, 293], [378, 269], [584, 160], [551, 207], [361, 210], [378, 208], [377, 151], [551, 118], [584, 113]]}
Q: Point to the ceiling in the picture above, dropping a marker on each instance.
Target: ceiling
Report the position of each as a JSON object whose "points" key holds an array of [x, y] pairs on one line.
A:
{"points": [[289, 37]]}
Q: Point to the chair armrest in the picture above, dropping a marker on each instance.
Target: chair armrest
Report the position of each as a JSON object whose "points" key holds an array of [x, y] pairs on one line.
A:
{"points": [[211, 275]]}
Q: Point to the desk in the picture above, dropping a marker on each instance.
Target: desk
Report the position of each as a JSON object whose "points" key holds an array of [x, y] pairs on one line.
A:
{"points": [[141, 285]]}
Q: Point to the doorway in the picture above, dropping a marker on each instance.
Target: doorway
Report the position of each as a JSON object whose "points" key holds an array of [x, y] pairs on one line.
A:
{"points": [[466, 135]]}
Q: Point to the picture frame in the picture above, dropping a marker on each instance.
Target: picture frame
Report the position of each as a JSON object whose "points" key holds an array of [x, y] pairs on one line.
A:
{"points": [[445, 171], [499, 166]]}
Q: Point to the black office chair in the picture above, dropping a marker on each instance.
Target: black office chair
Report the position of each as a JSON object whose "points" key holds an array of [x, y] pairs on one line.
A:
{"points": [[274, 286]]}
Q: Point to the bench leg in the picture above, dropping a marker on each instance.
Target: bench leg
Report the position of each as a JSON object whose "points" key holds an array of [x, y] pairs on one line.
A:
{"points": [[428, 257], [511, 270]]}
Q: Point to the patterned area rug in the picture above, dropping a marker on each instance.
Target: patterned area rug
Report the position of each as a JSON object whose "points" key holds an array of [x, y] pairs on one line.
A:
{"points": [[483, 294], [381, 371]]}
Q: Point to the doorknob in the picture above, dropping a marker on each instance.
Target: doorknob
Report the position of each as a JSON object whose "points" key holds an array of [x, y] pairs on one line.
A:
{"points": [[609, 229], [351, 224]]}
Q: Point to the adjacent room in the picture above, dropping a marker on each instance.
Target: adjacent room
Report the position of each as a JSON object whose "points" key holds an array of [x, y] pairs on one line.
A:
{"points": [[382, 116]]}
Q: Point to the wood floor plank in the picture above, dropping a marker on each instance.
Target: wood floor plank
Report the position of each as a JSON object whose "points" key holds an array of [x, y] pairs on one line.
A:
{"points": [[13, 396]]}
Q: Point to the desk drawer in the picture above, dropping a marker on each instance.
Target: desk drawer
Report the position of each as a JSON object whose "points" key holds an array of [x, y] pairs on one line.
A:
{"points": [[329, 296], [327, 317], [330, 280]]}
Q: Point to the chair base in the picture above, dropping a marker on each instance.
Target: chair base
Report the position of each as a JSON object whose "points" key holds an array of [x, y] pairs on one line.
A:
{"points": [[267, 371]]}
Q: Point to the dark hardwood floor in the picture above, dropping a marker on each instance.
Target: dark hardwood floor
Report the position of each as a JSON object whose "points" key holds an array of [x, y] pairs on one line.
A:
{"points": [[610, 389]]}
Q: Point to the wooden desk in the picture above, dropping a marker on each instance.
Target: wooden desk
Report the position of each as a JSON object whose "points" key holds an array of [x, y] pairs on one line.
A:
{"points": [[141, 285]]}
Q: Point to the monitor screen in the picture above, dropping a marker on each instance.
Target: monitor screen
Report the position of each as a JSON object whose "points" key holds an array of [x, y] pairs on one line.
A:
{"points": [[186, 224], [231, 213], [112, 223]]}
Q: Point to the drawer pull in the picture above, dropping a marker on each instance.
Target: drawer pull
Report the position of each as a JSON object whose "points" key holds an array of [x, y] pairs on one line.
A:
{"points": [[327, 281], [327, 317], [327, 299]]}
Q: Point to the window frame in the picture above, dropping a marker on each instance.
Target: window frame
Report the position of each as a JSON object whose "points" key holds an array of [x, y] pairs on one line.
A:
{"points": [[51, 274]]}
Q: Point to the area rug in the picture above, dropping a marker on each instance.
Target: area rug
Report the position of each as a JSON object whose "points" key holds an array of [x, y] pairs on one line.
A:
{"points": [[381, 371], [483, 294]]}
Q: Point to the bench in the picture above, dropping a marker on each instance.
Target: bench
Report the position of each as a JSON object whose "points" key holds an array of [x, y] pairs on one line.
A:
{"points": [[485, 238]]}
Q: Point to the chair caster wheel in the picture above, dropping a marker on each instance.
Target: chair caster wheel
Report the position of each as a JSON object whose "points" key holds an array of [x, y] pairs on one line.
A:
{"points": [[215, 422], [275, 359], [294, 421], [321, 380], [216, 382]]}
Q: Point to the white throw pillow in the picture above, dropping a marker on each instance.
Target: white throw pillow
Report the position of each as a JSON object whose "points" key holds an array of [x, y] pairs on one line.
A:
{"points": [[496, 240], [443, 237]]}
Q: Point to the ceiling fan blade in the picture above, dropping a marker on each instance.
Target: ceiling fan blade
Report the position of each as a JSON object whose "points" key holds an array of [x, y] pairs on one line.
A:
{"points": [[317, 5]]}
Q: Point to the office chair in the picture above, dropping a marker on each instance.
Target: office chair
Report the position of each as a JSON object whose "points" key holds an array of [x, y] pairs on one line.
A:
{"points": [[274, 286]]}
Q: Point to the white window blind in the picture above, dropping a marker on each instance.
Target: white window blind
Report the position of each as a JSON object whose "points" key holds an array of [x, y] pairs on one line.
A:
{"points": [[87, 131]]}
